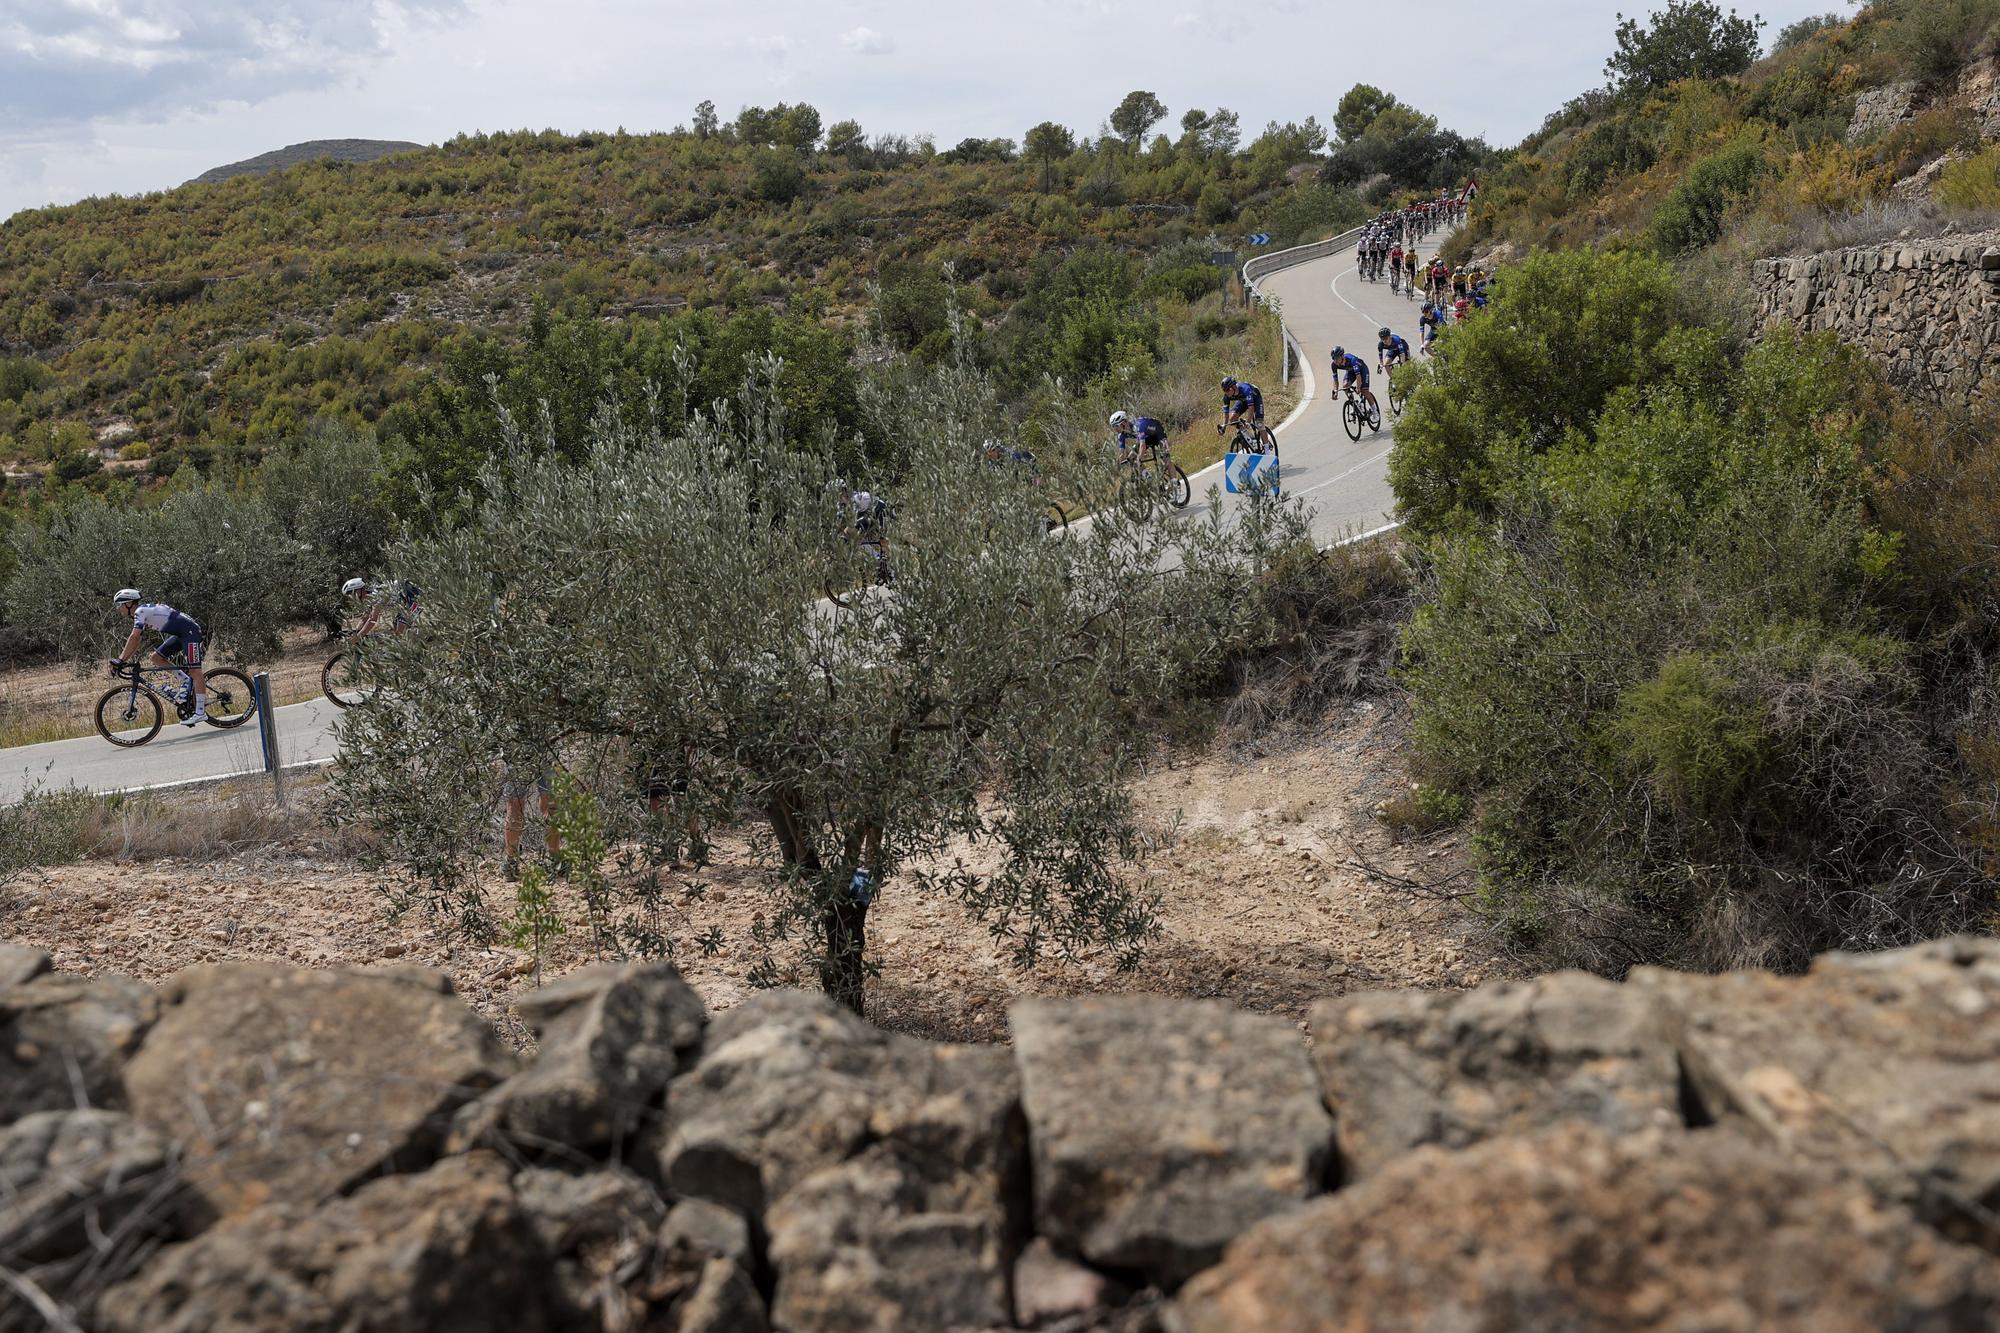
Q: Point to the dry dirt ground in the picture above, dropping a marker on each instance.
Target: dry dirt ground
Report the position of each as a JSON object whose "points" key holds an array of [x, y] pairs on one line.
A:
{"points": [[1280, 884]]}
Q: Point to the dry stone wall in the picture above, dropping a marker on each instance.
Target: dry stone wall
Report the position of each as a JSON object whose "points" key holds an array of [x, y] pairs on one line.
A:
{"points": [[1928, 311], [269, 1148]]}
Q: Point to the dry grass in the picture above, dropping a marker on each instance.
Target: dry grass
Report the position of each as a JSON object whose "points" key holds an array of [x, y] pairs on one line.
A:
{"points": [[211, 823]]}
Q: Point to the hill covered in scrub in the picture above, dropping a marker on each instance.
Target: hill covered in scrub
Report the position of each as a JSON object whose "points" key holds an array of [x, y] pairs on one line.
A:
{"points": [[1849, 130], [221, 318], [313, 150]]}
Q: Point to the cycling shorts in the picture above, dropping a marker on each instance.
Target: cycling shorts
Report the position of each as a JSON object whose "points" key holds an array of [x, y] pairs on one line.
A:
{"points": [[1254, 411], [185, 649], [1357, 373]]}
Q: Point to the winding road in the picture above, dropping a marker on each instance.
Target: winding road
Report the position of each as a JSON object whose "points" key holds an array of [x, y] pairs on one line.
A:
{"points": [[1324, 302]]}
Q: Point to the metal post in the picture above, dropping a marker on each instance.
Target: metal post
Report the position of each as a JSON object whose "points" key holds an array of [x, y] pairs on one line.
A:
{"points": [[267, 732]]}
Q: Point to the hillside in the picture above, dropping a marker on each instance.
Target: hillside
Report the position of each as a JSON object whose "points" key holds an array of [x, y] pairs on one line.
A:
{"points": [[313, 150], [224, 317], [1848, 131]]}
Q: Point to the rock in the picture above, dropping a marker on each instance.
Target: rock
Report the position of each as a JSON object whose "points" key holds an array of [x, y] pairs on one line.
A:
{"points": [[65, 1041], [1406, 1068], [20, 964], [296, 1084], [723, 1302], [700, 1227], [440, 1252], [886, 1171], [1048, 1287], [859, 1245], [80, 1191], [1576, 1229], [1161, 1129], [609, 1038], [1884, 1065], [598, 1229], [1879, 109]]}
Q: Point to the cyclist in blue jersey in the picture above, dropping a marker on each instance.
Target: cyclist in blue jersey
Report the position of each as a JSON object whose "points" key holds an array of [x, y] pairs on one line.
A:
{"points": [[1356, 371], [1138, 436], [1428, 324], [1390, 350], [180, 645], [1240, 398]]}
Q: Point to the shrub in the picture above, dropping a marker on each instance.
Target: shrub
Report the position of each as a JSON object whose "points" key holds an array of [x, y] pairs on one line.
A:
{"points": [[1691, 216], [1937, 38], [1973, 184]]}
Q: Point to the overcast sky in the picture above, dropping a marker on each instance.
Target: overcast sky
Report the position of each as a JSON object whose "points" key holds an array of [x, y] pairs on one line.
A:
{"points": [[125, 96]]}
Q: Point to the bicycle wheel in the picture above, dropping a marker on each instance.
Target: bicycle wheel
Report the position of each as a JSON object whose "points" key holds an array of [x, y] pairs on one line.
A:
{"points": [[128, 715], [339, 681], [1056, 519], [1350, 417], [231, 700], [1179, 492], [1267, 443], [1375, 416]]}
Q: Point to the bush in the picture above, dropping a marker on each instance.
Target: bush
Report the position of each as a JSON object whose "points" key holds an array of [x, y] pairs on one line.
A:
{"points": [[1937, 38], [1973, 184], [46, 827], [1692, 214]]}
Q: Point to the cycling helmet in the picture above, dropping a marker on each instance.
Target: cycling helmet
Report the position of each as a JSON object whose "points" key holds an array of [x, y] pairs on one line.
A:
{"points": [[1339, 352], [1229, 384], [124, 595], [1119, 418], [863, 502], [352, 586], [1382, 332]]}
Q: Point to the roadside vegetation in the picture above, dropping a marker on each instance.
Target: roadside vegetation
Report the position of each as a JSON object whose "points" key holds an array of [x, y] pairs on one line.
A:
{"points": [[1705, 639], [1696, 146]]}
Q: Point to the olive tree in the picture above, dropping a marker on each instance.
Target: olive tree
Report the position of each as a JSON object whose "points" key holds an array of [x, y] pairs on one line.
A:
{"points": [[653, 617]]}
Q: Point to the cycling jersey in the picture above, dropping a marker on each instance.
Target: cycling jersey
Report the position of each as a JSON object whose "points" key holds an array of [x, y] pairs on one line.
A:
{"points": [[1146, 431], [1356, 368], [1246, 399], [183, 635], [1396, 349]]}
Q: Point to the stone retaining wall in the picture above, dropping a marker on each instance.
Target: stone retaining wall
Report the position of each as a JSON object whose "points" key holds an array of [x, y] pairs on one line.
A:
{"points": [[256, 1147], [1927, 310]]}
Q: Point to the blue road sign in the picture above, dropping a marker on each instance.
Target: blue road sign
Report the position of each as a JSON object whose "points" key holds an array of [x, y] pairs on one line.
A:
{"points": [[1250, 474], [1261, 238]]}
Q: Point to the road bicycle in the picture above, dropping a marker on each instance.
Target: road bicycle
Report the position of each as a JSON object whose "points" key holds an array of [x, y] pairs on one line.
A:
{"points": [[1152, 476], [130, 713], [1355, 413], [1054, 518], [340, 680], [1254, 437]]}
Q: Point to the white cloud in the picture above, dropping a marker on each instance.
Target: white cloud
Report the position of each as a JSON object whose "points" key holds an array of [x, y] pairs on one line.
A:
{"points": [[868, 42]]}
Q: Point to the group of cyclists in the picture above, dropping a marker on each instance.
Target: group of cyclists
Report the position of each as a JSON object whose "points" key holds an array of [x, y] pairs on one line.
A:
{"points": [[184, 642]]}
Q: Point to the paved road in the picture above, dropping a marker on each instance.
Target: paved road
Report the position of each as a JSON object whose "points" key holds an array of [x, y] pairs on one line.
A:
{"points": [[1324, 302]]}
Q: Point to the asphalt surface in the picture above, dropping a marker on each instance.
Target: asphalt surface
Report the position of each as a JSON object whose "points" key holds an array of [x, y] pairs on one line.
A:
{"points": [[1324, 303]]}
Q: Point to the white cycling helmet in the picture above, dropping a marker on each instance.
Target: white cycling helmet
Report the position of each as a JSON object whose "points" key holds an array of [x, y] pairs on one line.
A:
{"points": [[352, 586], [863, 502], [124, 595], [1118, 419]]}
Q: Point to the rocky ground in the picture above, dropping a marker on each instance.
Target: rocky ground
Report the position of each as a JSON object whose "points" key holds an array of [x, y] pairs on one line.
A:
{"points": [[1280, 884]]}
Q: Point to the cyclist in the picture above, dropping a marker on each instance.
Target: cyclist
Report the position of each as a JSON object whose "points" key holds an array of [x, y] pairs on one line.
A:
{"points": [[181, 644], [1395, 264], [1240, 398], [1410, 271], [1428, 325], [1138, 436], [403, 592], [1356, 370], [1391, 349]]}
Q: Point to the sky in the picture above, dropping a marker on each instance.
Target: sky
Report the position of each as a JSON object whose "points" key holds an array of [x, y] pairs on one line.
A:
{"points": [[126, 96]]}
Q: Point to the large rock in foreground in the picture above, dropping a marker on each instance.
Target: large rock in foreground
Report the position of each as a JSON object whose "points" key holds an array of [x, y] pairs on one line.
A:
{"points": [[446, 1251], [1160, 1129], [885, 1170], [1577, 1230], [65, 1041], [608, 1038], [1886, 1065], [286, 1083], [1408, 1068]]}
